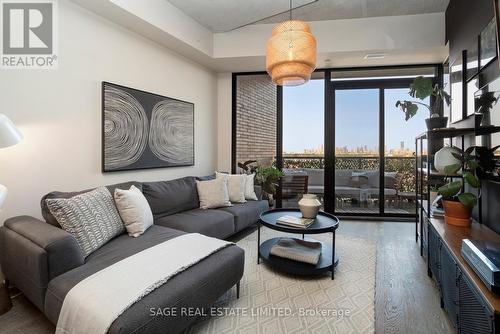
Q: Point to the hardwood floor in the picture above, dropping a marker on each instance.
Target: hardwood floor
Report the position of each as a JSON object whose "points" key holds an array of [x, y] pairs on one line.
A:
{"points": [[406, 300]]}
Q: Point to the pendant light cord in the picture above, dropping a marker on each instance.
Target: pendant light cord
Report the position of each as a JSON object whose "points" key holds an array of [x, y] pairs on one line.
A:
{"points": [[290, 10]]}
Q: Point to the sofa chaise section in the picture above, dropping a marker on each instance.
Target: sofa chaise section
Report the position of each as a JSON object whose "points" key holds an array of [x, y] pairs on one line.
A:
{"points": [[198, 286]]}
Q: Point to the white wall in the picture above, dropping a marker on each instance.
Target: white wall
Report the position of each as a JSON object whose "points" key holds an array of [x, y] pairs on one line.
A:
{"points": [[224, 121], [59, 111], [408, 39]]}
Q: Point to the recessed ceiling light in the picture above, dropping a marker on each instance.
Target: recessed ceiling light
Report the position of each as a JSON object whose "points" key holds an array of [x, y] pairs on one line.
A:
{"points": [[375, 56]]}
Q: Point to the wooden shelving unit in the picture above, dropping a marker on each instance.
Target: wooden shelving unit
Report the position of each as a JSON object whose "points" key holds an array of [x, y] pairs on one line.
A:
{"points": [[425, 172], [435, 173], [464, 296]]}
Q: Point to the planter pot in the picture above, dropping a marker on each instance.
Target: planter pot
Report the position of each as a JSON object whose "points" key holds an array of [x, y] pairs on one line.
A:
{"points": [[309, 206], [270, 200], [444, 157], [457, 214], [436, 122]]}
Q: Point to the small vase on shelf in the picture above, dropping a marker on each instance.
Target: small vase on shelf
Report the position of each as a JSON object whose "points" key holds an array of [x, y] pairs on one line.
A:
{"points": [[309, 206], [444, 157]]}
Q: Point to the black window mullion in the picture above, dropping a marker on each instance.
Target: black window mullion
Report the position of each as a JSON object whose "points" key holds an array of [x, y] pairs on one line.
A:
{"points": [[329, 145], [381, 150], [279, 141], [234, 122]]}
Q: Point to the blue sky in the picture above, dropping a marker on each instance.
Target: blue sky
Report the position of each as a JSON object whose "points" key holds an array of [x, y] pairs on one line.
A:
{"points": [[357, 118]]}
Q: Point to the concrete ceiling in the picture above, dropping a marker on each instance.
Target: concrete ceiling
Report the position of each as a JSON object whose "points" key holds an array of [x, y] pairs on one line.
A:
{"points": [[225, 15], [404, 39]]}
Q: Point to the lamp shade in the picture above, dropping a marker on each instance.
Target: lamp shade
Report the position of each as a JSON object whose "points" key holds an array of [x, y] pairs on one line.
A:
{"points": [[9, 134], [291, 53]]}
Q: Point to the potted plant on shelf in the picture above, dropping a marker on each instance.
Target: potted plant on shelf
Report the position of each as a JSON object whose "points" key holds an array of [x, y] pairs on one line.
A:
{"points": [[269, 178], [458, 203], [489, 163], [422, 88], [483, 104]]}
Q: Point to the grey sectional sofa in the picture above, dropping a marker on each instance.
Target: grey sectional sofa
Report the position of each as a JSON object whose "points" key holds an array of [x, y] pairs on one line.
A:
{"points": [[45, 262]]}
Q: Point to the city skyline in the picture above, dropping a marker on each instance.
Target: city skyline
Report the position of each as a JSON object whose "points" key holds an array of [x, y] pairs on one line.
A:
{"points": [[357, 112], [401, 151]]}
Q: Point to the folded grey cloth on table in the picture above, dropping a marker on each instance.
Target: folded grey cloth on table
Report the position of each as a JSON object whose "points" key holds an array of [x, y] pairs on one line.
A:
{"points": [[297, 250]]}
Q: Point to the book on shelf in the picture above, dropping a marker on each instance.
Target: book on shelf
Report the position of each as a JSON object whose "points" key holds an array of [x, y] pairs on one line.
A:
{"points": [[437, 212], [295, 221]]}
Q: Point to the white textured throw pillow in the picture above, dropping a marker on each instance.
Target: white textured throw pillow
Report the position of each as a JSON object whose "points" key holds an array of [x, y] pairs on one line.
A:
{"points": [[134, 210], [91, 217], [213, 193], [250, 188], [235, 186]]}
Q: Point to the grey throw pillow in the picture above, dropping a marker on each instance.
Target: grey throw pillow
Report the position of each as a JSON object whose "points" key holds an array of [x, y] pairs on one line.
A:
{"points": [[134, 210], [213, 194], [92, 218]]}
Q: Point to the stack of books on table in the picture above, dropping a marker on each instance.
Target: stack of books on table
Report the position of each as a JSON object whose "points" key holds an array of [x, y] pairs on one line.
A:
{"points": [[295, 221]]}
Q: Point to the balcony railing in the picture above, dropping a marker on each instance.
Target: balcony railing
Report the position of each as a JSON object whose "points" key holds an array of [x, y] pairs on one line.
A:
{"points": [[403, 165]]}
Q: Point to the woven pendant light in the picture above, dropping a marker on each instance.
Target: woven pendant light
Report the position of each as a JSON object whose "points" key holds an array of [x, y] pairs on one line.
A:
{"points": [[291, 53]]}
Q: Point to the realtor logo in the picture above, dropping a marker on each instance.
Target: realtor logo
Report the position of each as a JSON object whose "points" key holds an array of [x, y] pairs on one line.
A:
{"points": [[28, 34]]}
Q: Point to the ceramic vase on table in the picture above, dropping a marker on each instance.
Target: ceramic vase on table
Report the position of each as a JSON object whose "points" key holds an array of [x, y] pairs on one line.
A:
{"points": [[309, 206], [444, 157]]}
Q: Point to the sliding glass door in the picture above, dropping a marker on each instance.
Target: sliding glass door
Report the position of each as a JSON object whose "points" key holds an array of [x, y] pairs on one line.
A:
{"points": [[339, 136], [303, 141], [399, 153], [357, 154], [374, 170]]}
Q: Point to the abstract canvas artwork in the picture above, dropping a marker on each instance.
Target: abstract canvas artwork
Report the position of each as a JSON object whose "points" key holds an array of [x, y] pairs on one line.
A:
{"points": [[144, 130]]}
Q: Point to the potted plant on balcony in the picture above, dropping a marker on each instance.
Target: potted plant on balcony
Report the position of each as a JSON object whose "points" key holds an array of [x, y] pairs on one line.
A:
{"points": [[458, 203], [269, 178], [248, 167], [422, 88]]}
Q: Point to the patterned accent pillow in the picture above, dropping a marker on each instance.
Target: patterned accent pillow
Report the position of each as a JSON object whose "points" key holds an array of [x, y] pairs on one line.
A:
{"points": [[92, 218]]}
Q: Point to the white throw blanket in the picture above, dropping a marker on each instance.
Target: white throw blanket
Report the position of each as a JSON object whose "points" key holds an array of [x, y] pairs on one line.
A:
{"points": [[92, 305]]}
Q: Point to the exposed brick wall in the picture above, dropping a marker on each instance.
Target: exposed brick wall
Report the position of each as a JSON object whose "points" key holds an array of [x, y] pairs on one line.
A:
{"points": [[255, 118]]}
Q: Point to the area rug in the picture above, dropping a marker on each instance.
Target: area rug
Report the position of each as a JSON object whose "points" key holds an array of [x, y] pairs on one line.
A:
{"points": [[273, 302]]}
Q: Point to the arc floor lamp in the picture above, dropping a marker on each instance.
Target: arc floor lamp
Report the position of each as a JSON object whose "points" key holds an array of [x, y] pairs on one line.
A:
{"points": [[9, 135]]}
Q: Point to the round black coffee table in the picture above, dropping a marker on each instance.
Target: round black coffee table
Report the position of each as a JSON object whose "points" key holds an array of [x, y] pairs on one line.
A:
{"points": [[324, 223]]}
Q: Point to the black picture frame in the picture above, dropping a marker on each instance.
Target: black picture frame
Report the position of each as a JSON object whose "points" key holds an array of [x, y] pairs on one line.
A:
{"points": [[472, 88], [447, 87], [144, 114], [490, 117], [457, 78], [472, 65], [488, 43], [496, 4]]}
